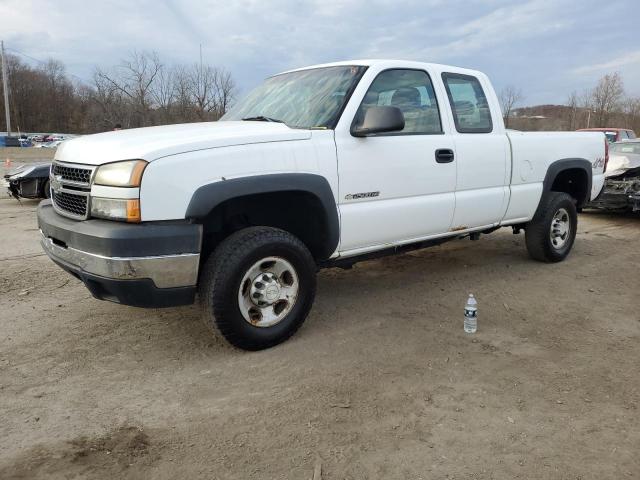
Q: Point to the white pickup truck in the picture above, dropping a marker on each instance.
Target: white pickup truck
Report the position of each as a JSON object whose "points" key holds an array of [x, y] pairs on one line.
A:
{"points": [[317, 167]]}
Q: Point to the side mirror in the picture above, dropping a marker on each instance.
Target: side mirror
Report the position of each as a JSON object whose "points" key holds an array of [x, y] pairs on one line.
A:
{"points": [[379, 119]]}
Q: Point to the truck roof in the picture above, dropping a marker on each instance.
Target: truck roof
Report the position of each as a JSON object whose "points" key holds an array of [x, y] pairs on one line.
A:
{"points": [[391, 63]]}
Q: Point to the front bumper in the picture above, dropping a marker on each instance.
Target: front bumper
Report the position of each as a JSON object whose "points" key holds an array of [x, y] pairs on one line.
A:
{"points": [[151, 264], [618, 195]]}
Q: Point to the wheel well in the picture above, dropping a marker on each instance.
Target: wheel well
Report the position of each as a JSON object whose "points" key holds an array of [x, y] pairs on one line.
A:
{"points": [[573, 181], [299, 213]]}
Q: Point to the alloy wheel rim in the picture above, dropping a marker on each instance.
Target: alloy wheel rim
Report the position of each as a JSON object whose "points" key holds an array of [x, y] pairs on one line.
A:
{"points": [[268, 291]]}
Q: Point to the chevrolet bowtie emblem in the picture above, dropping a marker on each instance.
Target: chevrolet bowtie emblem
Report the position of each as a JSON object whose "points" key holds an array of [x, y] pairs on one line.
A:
{"points": [[55, 182]]}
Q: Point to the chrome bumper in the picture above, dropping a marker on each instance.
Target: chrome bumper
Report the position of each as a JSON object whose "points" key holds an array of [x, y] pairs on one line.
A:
{"points": [[166, 271]]}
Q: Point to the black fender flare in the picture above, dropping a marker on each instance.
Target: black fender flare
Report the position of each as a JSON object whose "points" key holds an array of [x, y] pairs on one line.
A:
{"points": [[209, 196], [555, 168]]}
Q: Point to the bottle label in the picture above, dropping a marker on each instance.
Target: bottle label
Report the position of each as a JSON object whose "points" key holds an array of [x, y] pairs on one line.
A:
{"points": [[469, 313]]}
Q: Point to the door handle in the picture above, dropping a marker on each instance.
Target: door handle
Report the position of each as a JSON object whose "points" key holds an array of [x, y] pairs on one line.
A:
{"points": [[444, 155]]}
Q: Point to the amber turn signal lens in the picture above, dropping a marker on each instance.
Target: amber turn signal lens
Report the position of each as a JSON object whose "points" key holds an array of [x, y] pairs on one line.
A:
{"points": [[136, 173], [133, 210]]}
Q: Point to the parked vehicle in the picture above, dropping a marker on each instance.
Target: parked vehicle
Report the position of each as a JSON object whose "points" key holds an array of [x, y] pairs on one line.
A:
{"points": [[318, 167], [29, 181], [621, 191], [613, 134], [9, 141]]}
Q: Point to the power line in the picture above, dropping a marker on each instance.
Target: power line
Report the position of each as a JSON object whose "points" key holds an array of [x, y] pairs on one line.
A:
{"points": [[42, 62]]}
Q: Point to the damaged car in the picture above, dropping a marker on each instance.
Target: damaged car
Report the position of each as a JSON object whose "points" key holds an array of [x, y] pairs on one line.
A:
{"points": [[621, 191], [29, 181]]}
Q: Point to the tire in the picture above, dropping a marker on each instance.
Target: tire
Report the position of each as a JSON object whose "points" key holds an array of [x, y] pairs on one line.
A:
{"points": [[248, 267], [46, 190], [552, 231]]}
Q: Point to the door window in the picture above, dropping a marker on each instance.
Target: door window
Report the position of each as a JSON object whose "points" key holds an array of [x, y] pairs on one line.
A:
{"points": [[468, 102], [412, 92]]}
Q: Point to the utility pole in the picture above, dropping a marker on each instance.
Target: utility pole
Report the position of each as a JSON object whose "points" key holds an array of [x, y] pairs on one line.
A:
{"points": [[5, 89]]}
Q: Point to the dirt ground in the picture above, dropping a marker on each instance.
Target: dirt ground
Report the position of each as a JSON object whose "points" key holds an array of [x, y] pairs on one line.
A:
{"points": [[380, 383]]}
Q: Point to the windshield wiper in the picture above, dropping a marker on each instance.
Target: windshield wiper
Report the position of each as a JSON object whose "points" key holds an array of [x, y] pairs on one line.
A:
{"points": [[261, 118]]}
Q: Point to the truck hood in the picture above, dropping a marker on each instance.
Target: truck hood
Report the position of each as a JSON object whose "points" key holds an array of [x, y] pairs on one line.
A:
{"points": [[151, 143]]}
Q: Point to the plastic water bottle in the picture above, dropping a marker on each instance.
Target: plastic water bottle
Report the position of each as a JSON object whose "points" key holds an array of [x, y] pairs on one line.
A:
{"points": [[471, 315]]}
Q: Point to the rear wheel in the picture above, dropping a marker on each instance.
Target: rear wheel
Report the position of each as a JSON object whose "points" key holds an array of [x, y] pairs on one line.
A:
{"points": [[552, 231], [257, 287]]}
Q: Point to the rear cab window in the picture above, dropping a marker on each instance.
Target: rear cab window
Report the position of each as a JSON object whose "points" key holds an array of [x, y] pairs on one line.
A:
{"points": [[612, 136], [469, 104]]}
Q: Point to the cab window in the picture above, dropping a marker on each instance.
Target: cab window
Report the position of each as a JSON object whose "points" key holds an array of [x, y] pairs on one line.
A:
{"points": [[468, 102], [412, 92]]}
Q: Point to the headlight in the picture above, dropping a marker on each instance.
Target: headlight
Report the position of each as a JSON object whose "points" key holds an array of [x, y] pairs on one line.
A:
{"points": [[126, 209], [120, 174]]}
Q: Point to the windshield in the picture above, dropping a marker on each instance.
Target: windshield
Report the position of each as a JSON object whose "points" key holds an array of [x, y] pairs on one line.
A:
{"points": [[304, 99]]}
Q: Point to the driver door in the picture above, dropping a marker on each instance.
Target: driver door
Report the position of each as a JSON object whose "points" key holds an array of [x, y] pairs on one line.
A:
{"points": [[396, 187]]}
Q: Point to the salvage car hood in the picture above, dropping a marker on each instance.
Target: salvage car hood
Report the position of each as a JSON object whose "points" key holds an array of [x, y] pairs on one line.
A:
{"points": [[152, 143], [618, 164], [29, 170]]}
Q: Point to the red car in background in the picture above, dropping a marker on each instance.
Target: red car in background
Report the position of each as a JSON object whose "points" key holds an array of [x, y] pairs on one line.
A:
{"points": [[613, 134]]}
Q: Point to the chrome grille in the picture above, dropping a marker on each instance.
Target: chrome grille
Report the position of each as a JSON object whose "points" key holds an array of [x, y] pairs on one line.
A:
{"points": [[70, 189], [72, 174], [69, 202]]}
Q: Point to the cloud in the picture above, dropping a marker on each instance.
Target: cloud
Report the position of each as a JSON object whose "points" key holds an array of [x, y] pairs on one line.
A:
{"points": [[631, 58], [533, 44]]}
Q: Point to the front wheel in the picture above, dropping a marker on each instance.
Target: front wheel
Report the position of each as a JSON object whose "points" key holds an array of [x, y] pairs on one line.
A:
{"points": [[257, 287], [552, 231], [46, 190]]}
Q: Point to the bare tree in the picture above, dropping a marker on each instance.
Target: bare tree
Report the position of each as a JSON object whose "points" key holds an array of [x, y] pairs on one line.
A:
{"points": [[509, 97], [606, 98], [111, 104], [632, 112], [202, 80], [573, 103], [134, 78], [225, 91], [163, 92], [139, 91], [212, 91], [183, 108]]}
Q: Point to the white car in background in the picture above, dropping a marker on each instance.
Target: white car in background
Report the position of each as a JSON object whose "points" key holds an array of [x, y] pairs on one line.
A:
{"points": [[621, 191]]}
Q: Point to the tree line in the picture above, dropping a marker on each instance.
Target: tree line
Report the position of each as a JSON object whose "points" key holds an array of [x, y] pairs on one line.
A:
{"points": [[141, 90], [604, 105]]}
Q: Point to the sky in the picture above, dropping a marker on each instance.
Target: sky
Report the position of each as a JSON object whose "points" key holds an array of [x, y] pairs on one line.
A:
{"points": [[546, 48]]}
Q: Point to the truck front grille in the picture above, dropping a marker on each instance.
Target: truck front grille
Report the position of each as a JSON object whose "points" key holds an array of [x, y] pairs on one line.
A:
{"points": [[74, 204], [72, 174], [70, 189]]}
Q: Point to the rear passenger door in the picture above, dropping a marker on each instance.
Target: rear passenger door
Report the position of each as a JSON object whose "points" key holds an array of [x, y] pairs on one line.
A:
{"points": [[482, 154]]}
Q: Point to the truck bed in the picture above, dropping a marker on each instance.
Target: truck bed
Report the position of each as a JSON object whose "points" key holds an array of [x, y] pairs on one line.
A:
{"points": [[531, 155]]}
